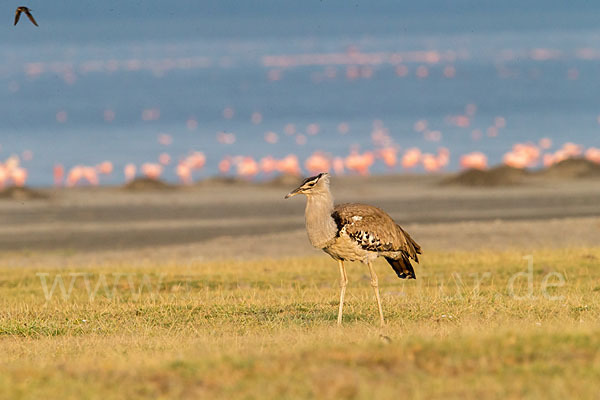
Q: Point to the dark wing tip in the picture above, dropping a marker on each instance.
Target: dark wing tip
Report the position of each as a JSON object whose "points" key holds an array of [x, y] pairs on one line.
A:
{"points": [[405, 276], [31, 18], [402, 267]]}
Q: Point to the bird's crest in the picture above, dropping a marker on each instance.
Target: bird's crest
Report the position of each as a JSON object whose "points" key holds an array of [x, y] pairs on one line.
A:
{"points": [[309, 183], [316, 178]]}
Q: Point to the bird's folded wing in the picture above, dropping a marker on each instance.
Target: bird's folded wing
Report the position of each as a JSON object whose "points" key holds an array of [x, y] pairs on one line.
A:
{"points": [[373, 229]]}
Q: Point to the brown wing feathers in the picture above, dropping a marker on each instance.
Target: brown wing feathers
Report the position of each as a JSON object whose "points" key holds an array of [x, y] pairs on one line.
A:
{"points": [[31, 17], [376, 231], [27, 12], [411, 245]]}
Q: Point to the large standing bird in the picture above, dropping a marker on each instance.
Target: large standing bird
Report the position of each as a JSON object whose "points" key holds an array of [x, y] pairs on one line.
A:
{"points": [[27, 12], [355, 232]]}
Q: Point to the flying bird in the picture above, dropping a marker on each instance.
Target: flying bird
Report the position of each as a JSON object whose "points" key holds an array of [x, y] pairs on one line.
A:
{"points": [[355, 232], [27, 12]]}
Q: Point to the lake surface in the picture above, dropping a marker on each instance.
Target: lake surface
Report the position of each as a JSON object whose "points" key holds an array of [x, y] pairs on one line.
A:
{"points": [[85, 90]]}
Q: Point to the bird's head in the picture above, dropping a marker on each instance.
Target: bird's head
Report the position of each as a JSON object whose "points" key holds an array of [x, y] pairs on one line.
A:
{"points": [[313, 185]]}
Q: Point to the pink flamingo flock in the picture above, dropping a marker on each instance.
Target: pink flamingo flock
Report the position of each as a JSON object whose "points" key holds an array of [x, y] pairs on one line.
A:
{"points": [[522, 155], [385, 151], [12, 173], [351, 64], [358, 64]]}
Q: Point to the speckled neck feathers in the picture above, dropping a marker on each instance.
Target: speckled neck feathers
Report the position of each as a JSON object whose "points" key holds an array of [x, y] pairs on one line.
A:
{"points": [[320, 225]]}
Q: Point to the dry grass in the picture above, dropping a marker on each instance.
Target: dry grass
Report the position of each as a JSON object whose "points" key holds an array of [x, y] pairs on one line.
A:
{"points": [[266, 329]]}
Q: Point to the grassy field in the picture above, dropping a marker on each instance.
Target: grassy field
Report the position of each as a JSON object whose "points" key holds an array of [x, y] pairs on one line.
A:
{"points": [[468, 327]]}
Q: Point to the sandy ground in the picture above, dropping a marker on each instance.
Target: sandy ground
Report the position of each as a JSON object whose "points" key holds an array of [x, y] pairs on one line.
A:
{"points": [[220, 220]]}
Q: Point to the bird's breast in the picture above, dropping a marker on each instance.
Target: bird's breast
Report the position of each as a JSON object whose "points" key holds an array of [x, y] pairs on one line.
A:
{"points": [[346, 249]]}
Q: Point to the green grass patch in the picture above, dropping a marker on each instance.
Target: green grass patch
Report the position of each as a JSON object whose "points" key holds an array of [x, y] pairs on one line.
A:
{"points": [[473, 325]]}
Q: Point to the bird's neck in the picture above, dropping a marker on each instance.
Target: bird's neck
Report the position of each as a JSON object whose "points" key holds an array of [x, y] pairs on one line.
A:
{"points": [[320, 225]]}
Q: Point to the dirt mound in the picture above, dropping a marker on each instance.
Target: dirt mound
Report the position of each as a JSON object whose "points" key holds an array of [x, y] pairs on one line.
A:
{"points": [[502, 175], [285, 180], [21, 193], [143, 184], [572, 168], [222, 181]]}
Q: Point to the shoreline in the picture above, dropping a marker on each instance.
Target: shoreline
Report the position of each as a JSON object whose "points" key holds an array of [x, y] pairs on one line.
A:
{"points": [[100, 219]]}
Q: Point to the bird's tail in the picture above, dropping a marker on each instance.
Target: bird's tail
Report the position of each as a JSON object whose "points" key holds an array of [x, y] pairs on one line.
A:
{"points": [[413, 247], [402, 267]]}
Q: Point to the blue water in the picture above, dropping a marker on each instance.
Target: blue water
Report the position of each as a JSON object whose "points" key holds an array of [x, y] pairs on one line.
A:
{"points": [[228, 45]]}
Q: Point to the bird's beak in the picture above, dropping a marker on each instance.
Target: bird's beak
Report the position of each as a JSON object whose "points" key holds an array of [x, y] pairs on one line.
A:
{"points": [[292, 193]]}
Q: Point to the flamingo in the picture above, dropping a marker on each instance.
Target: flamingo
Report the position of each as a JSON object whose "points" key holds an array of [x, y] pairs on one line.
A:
{"points": [[430, 163], [522, 155], [312, 129], [191, 124], [411, 158], [74, 175], [343, 128], [184, 173], [58, 173], [359, 162], [545, 143], [105, 168], [268, 165], [256, 118], [247, 167], [289, 165], [90, 174], [82, 172], [196, 160], [164, 159], [443, 157], [572, 149], [593, 154], [338, 165], [475, 160], [317, 162], [389, 156], [271, 137], [129, 171], [224, 165], [449, 71], [515, 160], [165, 139], [228, 112], [19, 176], [152, 170], [3, 175], [548, 160]]}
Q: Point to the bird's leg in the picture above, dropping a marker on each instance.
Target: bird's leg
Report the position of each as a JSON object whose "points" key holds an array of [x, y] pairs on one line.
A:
{"points": [[343, 283], [375, 285]]}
